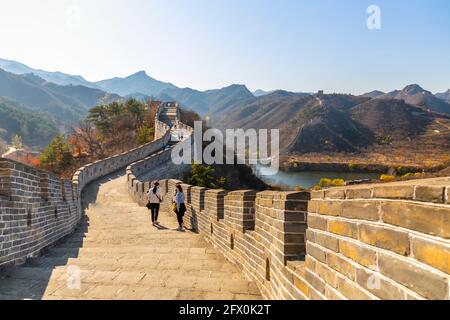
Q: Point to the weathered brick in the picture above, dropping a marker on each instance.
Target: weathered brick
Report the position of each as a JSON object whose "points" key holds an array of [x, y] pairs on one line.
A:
{"points": [[312, 206], [427, 283], [343, 228], [317, 194], [327, 274], [333, 294], [329, 208], [351, 290], [429, 219], [358, 253], [433, 253], [365, 193], [364, 210], [379, 285], [315, 281], [315, 295], [326, 240], [310, 263], [430, 194], [384, 237], [335, 194], [342, 265], [316, 251], [394, 192], [300, 283], [317, 222]]}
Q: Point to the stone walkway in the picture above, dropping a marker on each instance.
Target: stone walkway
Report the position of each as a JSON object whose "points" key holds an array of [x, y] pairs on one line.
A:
{"points": [[120, 255]]}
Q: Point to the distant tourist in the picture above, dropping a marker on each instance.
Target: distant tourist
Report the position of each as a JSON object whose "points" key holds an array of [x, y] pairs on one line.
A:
{"points": [[154, 201], [180, 206]]}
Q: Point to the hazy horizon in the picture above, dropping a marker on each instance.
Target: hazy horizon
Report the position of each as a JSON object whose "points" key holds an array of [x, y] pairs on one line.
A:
{"points": [[293, 45]]}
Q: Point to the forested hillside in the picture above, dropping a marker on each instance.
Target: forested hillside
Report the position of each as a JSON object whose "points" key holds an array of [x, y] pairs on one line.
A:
{"points": [[35, 129]]}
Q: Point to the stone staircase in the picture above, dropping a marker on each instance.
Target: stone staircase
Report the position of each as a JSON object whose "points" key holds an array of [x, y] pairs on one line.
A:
{"points": [[120, 255]]}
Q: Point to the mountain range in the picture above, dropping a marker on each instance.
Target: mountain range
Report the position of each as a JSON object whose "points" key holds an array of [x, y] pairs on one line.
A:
{"points": [[335, 123], [59, 78], [308, 123], [67, 104]]}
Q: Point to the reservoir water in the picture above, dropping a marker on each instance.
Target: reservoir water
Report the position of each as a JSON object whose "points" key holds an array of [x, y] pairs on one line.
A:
{"points": [[306, 179]]}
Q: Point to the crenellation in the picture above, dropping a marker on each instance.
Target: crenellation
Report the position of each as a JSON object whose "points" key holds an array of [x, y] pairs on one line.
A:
{"points": [[239, 210]]}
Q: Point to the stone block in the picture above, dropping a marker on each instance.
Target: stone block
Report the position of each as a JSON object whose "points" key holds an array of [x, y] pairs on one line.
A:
{"points": [[433, 253], [378, 285], [315, 281], [329, 208], [333, 294], [388, 238], [316, 251], [342, 265], [317, 194], [328, 241], [343, 228], [394, 192], [351, 290], [335, 194], [430, 194], [424, 281], [317, 222], [364, 210], [358, 253], [365, 193], [429, 219], [327, 274]]}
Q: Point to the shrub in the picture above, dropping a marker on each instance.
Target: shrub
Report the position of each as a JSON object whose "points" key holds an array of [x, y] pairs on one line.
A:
{"points": [[325, 182], [387, 178], [203, 176], [57, 156], [145, 134], [338, 182], [412, 175]]}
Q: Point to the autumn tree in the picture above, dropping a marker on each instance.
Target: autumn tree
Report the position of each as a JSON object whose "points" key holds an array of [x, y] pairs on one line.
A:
{"points": [[57, 156]]}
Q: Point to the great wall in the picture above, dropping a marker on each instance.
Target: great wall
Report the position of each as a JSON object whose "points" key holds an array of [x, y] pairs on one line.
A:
{"points": [[386, 241]]}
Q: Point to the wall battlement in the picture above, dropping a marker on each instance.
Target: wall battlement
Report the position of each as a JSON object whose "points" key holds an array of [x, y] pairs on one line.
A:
{"points": [[38, 208], [387, 241]]}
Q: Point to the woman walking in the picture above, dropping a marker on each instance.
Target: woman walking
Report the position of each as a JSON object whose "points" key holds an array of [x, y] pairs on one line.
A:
{"points": [[180, 208], [154, 200]]}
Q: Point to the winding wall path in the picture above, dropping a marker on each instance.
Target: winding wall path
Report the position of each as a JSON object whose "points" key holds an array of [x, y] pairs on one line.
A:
{"points": [[122, 256]]}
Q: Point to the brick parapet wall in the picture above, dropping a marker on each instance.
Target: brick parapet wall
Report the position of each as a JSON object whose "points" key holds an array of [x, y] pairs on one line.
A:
{"points": [[379, 242], [37, 208], [263, 233], [387, 241]]}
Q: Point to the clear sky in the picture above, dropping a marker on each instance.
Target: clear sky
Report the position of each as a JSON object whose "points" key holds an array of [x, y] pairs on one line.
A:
{"points": [[295, 45]]}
